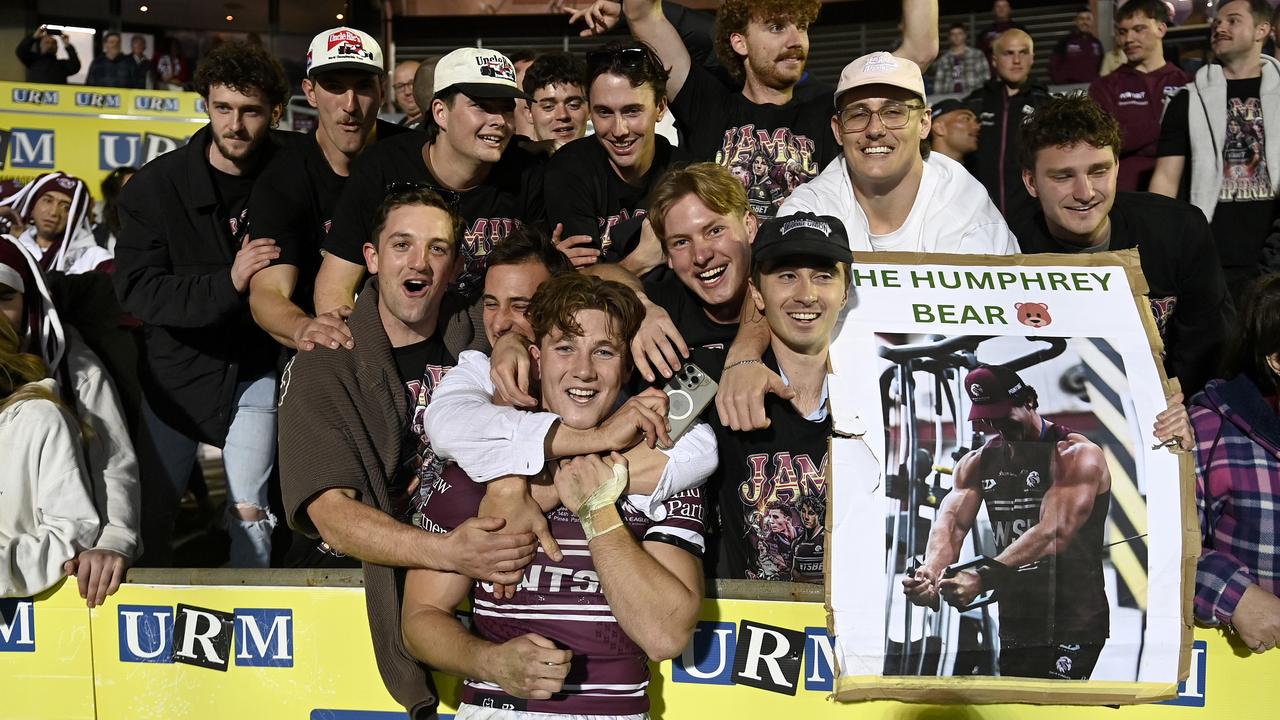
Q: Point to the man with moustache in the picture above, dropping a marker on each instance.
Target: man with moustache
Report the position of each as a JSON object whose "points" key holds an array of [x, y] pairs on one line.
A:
{"points": [[954, 129], [184, 260], [602, 183], [1047, 490], [1002, 105], [352, 444], [1137, 92], [886, 194], [763, 44], [463, 153], [1220, 144], [299, 189]]}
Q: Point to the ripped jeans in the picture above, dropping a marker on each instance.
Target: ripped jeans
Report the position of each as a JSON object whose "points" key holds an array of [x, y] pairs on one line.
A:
{"points": [[248, 458]]}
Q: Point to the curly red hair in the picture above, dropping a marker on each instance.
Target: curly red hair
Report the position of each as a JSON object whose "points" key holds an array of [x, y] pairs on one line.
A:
{"points": [[734, 16]]}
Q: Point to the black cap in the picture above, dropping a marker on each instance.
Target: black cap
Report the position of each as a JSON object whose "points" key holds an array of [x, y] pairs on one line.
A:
{"points": [[801, 234], [943, 107]]}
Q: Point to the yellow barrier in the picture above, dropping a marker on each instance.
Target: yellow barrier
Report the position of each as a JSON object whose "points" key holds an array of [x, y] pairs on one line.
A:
{"points": [[305, 652], [89, 131]]}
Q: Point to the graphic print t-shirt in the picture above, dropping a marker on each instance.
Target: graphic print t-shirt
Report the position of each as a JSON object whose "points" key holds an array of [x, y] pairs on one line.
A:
{"points": [[564, 601], [1246, 204], [586, 194], [771, 149], [510, 195], [698, 330], [422, 366], [771, 489]]}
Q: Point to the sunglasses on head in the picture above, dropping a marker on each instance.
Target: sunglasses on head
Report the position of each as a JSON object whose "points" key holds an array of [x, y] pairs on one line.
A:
{"points": [[628, 58], [451, 197]]}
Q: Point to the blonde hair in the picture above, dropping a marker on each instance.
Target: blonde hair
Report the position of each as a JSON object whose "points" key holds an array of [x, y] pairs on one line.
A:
{"points": [[19, 371], [1013, 34]]}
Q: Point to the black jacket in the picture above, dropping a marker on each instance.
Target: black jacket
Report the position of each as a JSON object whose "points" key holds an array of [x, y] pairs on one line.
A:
{"points": [[42, 68], [173, 272], [996, 164], [1188, 294]]}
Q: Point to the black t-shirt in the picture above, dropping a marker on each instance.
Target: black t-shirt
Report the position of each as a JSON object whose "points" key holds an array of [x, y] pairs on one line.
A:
{"points": [[296, 204], [590, 199], [770, 490], [1188, 294], [1246, 203], [421, 366], [510, 195], [233, 202], [771, 148], [697, 328]]}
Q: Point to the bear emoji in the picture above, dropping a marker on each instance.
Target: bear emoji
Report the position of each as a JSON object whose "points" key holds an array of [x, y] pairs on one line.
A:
{"points": [[1034, 314]]}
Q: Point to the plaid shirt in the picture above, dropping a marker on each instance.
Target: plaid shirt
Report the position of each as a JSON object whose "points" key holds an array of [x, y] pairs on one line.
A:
{"points": [[974, 72], [1238, 495]]}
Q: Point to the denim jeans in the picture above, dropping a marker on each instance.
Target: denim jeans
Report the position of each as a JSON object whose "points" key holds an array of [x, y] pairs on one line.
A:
{"points": [[248, 458]]}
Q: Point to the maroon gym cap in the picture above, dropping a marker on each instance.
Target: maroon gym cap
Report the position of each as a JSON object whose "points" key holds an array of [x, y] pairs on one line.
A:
{"points": [[992, 388]]}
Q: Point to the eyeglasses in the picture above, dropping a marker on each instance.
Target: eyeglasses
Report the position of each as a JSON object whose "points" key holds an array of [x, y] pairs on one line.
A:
{"points": [[450, 197], [894, 116], [628, 58], [401, 86]]}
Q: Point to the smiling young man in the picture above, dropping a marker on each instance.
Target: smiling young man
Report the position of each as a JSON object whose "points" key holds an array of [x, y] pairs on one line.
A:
{"points": [[883, 189], [577, 637], [557, 107], [800, 284], [1002, 105], [464, 152], [602, 183], [764, 44], [1220, 143], [183, 265], [352, 442], [299, 189], [1137, 92], [1070, 155]]}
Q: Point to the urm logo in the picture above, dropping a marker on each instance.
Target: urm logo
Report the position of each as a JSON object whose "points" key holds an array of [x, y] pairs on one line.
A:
{"points": [[17, 625], [263, 637], [1192, 691], [146, 633], [31, 148], [150, 102], [27, 96], [118, 150], [709, 657]]}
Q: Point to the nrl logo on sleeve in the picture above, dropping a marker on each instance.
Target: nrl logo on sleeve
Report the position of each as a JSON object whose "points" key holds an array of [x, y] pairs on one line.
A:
{"points": [[497, 67], [109, 101], [27, 96]]}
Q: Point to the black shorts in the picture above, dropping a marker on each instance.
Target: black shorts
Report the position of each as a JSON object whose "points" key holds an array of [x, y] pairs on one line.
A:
{"points": [[1060, 661]]}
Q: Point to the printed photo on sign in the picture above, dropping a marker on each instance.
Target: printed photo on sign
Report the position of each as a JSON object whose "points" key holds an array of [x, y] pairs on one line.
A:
{"points": [[1008, 552], [1030, 530]]}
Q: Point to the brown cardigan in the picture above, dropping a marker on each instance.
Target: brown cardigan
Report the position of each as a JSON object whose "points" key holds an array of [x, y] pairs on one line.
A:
{"points": [[343, 418]]}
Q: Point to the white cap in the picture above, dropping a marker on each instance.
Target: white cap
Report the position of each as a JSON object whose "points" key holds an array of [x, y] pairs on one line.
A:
{"points": [[881, 68], [478, 73], [344, 48]]}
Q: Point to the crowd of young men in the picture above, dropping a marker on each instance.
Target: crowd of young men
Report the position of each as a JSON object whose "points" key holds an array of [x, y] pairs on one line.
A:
{"points": [[465, 421]]}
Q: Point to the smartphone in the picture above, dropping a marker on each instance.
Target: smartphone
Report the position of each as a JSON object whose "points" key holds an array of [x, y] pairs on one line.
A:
{"points": [[52, 31], [689, 392]]}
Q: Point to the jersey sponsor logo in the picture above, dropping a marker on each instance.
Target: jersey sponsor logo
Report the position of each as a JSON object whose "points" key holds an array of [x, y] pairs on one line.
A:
{"points": [[768, 165], [1132, 97], [29, 96], [107, 101], [251, 637], [988, 483], [1007, 531], [1033, 479], [17, 625], [156, 103]]}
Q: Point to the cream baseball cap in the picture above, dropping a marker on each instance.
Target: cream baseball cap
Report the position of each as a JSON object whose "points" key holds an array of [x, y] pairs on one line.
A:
{"points": [[478, 73], [881, 68], [344, 48]]}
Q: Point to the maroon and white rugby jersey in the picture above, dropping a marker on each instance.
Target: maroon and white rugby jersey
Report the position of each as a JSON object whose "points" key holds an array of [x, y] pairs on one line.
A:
{"points": [[564, 602]]}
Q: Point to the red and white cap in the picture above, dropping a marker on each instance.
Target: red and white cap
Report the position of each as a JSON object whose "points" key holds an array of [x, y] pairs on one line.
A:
{"points": [[344, 48]]}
